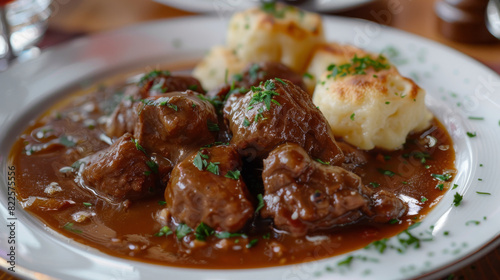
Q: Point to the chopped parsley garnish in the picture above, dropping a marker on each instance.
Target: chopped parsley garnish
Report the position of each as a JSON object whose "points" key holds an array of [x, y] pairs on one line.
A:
{"points": [[486, 193], [387, 102], [159, 87], [137, 145], [69, 227], [226, 234], [216, 102], [357, 66], [260, 204], [412, 240], [423, 199], [415, 225], [203, 231], [151, 75], [153, 166], [162, 101], [352, 116], [440, 187], [162, 202], [164, 231], [88, 204], [423, 156], [472, 222], [476, 118], [380, 245], [246, 122], [322, 162], [257, 117], [444, 177], [374, 184], [235, 175], [346, 262], [280, 80], [67, 141], [200, 161], [393, 221], [386, 172], [193, 87], [454, 186], [76, 164], [182, 230], [237, 77], [226, 73], [213, 167], [263, 95], [252, 243], [216, 143], [270, 8], [308, 75], [267, 235], [471, 134], [457, 199], [212, 126]]}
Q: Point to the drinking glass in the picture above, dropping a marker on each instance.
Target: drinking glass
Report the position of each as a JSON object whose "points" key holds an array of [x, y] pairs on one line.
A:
{"points": [[23, 23]]}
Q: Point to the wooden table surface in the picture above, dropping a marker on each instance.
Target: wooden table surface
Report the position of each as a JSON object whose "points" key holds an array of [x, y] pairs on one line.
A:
{"points": [[78, 18]]}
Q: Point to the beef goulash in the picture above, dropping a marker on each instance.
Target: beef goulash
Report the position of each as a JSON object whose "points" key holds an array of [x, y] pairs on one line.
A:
{"points": [[302, 149]]}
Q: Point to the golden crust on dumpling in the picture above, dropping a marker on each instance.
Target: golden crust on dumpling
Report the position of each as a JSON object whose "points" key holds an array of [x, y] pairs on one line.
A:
{"points": [[286, 34], [211, 71], [329, 53], [376, 109]]}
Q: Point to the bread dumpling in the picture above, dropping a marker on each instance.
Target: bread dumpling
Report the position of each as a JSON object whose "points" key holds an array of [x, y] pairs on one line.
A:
{"points": [[275, 32], [324, 55], [368, 103], [211, 71]]}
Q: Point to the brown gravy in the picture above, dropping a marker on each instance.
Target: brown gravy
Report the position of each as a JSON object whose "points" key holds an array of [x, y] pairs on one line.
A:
{"points": [[63, 136]]}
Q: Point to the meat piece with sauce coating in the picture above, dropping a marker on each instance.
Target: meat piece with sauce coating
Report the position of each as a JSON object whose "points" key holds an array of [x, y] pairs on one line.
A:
{"points": [[253, 75], [277, 112], [175, 124], [304, 196], [208, 195], [256, 73], [120, 172], [156, 82]]}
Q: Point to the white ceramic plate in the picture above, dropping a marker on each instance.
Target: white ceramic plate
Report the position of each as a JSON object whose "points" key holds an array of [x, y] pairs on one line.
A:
{"points": [[458, 88], [224, 7]]}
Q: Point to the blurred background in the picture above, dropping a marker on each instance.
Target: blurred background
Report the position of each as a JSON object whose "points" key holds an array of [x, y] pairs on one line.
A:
{"points": [[459, 24]]}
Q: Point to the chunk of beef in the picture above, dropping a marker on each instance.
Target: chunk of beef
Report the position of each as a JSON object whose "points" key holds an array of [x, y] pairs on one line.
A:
{"points": [[257, 73], [120, 172], [124, 117], [253, 75], [194, 196], [354, 158], [175, 124], [304, 196], [158, 82], [277, 112]]}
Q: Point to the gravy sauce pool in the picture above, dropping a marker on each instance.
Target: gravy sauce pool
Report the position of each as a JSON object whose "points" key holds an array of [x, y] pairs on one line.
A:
{"points": [[53, 143]]}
